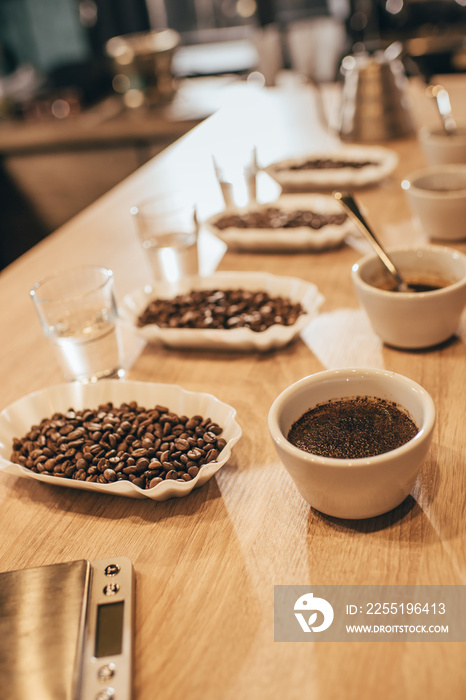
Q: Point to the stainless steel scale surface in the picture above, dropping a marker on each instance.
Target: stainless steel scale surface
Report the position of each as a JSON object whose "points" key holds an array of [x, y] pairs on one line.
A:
{"points": [[66, 631]]}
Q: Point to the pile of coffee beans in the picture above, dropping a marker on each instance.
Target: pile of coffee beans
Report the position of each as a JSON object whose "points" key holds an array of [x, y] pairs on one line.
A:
{"points": [[129, 442], [275, 218], [221, 308], [328, 164]]}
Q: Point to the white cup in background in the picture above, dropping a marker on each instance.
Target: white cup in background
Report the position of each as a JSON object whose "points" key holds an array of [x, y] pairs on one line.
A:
{"points": [[437, 198], [440, 148], [413, 320]]}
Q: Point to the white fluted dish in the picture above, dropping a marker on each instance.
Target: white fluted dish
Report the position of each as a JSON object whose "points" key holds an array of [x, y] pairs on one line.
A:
{"points": [[275, 336], [18, 418], [300, 238], [384, 162]]}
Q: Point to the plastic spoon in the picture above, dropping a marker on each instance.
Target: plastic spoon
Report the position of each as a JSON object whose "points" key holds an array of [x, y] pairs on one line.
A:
{"points": [[349, 205]]}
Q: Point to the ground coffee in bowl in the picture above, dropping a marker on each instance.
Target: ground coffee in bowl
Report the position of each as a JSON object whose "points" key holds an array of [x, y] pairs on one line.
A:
{"points": [[353, 428]]}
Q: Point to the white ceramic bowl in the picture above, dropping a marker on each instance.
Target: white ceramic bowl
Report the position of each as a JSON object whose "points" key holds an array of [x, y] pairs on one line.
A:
{"points": [[353, 488], [440, 148], [16, 420], [437, 198], [418, 319]]}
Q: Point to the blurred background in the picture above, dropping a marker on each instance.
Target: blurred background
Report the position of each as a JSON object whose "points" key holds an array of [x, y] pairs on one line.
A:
{"points": [[91, 89]]}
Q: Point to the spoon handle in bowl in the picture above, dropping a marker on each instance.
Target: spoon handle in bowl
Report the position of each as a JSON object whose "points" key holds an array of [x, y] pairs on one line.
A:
{"points": [[349, 205]]}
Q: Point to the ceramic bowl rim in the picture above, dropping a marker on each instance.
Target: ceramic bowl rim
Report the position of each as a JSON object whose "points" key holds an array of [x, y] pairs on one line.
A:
{"points": [[358, 373], [439, 137], [409, 182], [385, 293]]}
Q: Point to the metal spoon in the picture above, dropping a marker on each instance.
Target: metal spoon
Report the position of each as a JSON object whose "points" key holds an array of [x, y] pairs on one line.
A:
{"points": [[442, 99], [349, 205]]}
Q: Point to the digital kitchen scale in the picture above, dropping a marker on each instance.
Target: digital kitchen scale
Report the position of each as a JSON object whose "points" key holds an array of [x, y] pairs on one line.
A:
{"points": [[66, 631]]}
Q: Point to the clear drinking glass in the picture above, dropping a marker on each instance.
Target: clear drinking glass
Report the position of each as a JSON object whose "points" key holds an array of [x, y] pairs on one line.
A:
{"points": [[169, 234], [236, 174], [78, 314]]}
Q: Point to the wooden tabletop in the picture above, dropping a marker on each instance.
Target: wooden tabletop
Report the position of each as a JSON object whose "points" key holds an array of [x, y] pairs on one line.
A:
{"points": [[206, 565]]}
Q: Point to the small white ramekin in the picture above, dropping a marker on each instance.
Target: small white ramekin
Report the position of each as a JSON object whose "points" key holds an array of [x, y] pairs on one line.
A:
{"points": [[437, 199], [419, 319], [353, 488]]}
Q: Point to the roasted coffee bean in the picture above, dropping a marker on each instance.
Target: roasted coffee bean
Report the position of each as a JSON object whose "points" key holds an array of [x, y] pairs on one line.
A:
{"points": [[212, 455], [230, 308], [130, 470], [141, 452], [274, 218], [114, 443]]}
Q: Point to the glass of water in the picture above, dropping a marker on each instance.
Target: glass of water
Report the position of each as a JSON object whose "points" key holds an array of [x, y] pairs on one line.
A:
{"points": [[236, 173], [78, 314], [168, 230]]}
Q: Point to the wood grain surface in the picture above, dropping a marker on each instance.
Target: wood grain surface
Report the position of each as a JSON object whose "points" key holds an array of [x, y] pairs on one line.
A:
{"points": [[206, 565]]}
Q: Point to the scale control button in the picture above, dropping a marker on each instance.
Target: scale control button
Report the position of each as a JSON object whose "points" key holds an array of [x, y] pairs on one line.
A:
{"points": [[107, 694], [111, 589], [112, 570], [105, 673]]}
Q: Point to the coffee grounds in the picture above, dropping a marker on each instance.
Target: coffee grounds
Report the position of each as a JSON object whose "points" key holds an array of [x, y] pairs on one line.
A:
{"points": [[352, 428]]}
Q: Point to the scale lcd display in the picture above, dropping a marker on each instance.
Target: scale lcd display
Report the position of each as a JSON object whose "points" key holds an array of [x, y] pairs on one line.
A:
{"points": [[109, 633]]}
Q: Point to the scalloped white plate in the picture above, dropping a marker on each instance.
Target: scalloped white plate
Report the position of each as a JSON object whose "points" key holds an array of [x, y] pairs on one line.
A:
{"points": [[18, 418], [286, 239], [237, 338], [386, 161]]}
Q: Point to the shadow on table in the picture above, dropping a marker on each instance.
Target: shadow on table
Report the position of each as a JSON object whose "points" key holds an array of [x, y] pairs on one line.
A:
{"points": [[380, 522], [98, 505]]}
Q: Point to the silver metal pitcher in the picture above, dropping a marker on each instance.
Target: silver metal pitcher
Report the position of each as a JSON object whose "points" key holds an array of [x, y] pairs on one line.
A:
{"points": [[375, 105]]}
